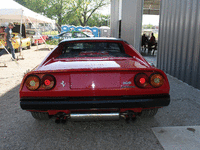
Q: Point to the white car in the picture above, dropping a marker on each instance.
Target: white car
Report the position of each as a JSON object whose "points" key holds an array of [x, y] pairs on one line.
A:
{"points": [[36, 36]]}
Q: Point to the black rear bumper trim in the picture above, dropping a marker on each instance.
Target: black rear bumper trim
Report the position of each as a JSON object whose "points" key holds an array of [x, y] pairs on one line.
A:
{"points": [[125, 102]]}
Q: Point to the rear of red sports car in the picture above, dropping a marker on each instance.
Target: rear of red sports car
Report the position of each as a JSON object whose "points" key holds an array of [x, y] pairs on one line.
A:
{"points": [[94, 78]]}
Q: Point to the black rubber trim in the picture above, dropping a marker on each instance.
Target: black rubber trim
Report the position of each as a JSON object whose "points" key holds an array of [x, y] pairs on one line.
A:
{"points": [[91, 102]]}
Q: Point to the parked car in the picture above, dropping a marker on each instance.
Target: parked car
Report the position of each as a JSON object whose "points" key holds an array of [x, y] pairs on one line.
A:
{"points": [[94, 78], [26, 42], [36, 36], [68, 35]]}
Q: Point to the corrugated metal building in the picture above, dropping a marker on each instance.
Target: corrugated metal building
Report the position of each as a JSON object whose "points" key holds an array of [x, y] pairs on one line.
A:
{"points": [[126, 16], [179, 38], [179, 33]]}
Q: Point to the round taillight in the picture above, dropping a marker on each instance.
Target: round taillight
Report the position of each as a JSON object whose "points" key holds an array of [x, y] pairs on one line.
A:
{"points": [[32, 82], [156, 80], [48, 82], [141, 80]]}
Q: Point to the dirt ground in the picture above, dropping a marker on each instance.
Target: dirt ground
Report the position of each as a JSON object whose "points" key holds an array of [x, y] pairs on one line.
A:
{"points": [[12, 74]]}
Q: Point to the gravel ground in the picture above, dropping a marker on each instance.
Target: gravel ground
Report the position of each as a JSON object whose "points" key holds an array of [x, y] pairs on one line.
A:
{"points": [[19, 130], [12, 75]]}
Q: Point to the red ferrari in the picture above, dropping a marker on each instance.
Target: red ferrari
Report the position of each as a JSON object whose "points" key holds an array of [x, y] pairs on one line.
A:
{"points": [[98, 78]]}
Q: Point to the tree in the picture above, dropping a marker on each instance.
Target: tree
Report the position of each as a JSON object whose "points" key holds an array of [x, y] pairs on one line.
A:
{"points": [[149, 26], [54, 9], [85, 8], [64, 10], [34, 5], [99, 20]]}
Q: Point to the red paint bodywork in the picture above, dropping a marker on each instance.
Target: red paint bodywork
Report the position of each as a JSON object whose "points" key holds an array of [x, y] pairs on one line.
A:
{"points": [[108, 73]]}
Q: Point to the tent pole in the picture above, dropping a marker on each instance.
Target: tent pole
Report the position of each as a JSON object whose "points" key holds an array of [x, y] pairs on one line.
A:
{"points": [[21, 34], [8, 53], [20, 47], [39, 33]]}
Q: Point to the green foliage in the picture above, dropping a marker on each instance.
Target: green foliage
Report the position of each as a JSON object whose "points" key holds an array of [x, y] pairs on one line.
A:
{"points": [[83, 9], [149, 26], [35, 5], [99, 20], [77, 12], [95, 20], [52, 42], [54, 9]]}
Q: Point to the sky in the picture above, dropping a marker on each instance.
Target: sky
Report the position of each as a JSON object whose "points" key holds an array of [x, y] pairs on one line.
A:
{"points": [[146, 19], [150, 19]]}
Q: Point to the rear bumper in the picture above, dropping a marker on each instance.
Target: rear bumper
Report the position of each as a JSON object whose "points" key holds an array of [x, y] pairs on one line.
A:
{"points": [[94, 102]]}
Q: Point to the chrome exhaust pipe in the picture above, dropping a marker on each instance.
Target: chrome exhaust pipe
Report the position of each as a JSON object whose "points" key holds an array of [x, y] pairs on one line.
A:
{"points": [[95, 116]]}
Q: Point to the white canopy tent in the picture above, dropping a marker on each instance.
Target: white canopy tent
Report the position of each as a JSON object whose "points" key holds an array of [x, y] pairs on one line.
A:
{"points": [[11, 11]]}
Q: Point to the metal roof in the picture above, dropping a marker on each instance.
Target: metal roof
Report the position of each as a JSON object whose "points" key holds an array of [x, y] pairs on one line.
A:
{"points": [[151, 7]]}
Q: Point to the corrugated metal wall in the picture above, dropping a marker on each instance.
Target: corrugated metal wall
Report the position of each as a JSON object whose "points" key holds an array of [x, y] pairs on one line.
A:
{"points": [[179, 40]]}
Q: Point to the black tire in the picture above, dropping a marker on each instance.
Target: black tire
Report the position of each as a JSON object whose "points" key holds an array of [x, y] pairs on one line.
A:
{"points": [[149, 112], [29, 47], [40, 115]]}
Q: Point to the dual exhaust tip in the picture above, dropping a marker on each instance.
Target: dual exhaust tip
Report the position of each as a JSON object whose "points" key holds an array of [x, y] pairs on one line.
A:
{"points": [[92, 117]]}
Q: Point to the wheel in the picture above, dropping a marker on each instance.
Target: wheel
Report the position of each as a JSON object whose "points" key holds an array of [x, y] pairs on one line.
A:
{"points": [[40, 115], [149, 112], [29, 47]]}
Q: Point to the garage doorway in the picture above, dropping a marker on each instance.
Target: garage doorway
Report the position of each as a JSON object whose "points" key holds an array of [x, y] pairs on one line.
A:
{"points": [[150, 24]]}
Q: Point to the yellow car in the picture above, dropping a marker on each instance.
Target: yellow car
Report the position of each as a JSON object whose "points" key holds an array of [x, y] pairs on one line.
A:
{"points": [[26, 42]]}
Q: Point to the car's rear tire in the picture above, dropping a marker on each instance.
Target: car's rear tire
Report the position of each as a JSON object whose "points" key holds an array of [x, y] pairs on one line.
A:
{"points": [[40, 115], [149, 112]]}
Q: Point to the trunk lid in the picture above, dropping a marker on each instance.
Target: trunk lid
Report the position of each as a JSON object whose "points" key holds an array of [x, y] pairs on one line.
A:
{"points": [[93, 64], [96, 74], [95, 80]]}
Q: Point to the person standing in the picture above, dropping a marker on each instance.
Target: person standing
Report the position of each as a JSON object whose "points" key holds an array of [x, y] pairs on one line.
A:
{"points": [[8, 39], [144, 42], [152, 42]]}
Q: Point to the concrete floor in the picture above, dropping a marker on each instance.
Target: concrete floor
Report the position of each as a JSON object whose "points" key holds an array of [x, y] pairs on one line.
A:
{"points": [[19, 130], [150, 57], [179, 136]]}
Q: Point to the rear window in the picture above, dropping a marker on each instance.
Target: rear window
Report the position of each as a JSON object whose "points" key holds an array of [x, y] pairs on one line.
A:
{"points": [[93, 49]]}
